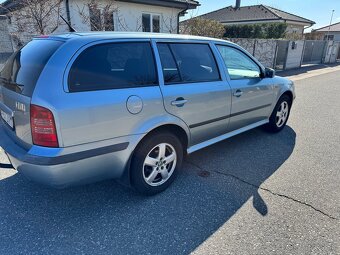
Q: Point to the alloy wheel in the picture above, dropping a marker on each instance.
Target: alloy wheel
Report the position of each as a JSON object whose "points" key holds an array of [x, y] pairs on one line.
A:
{"points": [[282, 114], [159, 164]]}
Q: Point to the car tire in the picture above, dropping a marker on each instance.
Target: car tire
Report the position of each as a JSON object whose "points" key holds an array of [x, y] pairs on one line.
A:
{"points": [[280, 115], [155, 163]]}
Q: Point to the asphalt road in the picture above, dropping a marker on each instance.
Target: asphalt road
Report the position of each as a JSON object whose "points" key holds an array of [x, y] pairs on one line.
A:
{"points": [[256, 193]]}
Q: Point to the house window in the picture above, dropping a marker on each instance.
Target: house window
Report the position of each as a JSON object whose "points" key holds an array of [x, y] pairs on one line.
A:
{"points": [[101, 19], [156, 23], [329, 38], [151, 22], [108, 20], [95, 18]]}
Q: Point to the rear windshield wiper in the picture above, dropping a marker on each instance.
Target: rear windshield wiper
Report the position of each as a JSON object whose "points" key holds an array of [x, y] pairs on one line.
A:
{"points": [[11, 85]]}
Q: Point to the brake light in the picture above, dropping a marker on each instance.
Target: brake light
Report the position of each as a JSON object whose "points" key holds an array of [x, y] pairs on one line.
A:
{"points": [[43, 127]]}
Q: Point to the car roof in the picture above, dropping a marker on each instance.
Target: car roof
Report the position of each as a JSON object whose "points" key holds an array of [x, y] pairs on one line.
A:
{"points": [[129, 35]]}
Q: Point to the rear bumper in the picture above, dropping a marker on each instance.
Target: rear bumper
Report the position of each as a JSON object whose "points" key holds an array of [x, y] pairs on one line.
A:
{"points": [[63, 167]]}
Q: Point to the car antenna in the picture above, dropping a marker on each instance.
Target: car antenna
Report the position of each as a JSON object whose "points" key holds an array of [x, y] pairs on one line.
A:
{"points": [[72, 30]]}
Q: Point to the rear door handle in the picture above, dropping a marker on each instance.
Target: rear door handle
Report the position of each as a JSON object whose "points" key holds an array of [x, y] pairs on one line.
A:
{"points": [[179, 102], [238, 93]]}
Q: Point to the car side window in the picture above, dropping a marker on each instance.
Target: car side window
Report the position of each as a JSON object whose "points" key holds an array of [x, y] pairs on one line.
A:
{"points": [[169, 66], [239, 65], [113, 66], [187, 63]]}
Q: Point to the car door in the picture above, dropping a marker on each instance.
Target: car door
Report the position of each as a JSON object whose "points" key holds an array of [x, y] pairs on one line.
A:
{"points": [[252, 95], [193, 88]]}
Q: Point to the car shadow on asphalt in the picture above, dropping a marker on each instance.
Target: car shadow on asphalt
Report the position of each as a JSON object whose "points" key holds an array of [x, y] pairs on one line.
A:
{"points": [[107, 218]]}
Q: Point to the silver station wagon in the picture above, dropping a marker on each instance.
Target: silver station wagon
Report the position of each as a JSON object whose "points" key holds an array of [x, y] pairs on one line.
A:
{"points": [[83, 107]]}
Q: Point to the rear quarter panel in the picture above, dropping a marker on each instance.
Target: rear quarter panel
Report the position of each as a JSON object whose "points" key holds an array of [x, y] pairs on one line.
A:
{"points": [[87, 117]]}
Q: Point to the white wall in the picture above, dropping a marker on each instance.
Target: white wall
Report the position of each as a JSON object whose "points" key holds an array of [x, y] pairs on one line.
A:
{"points": [[336, 36], [295, 29], [127, 17]]}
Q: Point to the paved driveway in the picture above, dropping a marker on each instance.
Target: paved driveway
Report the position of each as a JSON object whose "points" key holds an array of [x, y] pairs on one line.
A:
{"points": [[256, 193]]}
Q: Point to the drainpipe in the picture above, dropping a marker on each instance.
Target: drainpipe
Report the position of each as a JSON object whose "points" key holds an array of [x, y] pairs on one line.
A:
{"points": [[238, 4], [304, 28], [68, 16], [181, 13]]}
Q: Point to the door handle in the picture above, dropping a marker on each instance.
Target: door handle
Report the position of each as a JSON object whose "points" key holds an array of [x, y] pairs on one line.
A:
{"points": [[179, 102], [238, 93]]}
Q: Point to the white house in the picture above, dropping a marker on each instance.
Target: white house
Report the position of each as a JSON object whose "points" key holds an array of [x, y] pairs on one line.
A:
{"points": [[331, 32], [86, 15], [259, 14]]}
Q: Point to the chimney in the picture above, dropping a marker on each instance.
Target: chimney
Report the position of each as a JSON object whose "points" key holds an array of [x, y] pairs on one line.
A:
{"points": [[238, 4]]}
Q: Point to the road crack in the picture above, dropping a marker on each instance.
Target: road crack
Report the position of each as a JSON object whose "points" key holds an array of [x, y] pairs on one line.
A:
{"points": [[267, 190]]}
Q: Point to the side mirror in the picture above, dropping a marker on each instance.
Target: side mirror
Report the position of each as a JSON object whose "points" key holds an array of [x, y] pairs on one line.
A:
{"points": [[269, 73]]}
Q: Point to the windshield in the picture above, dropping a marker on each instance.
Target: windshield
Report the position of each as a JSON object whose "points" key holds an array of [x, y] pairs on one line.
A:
{"points": [[24, 67]]}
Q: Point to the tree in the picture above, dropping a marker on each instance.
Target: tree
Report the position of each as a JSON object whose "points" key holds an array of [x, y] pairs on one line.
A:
{"points": [[202, 27], [35, 17], [29, 18], [98, 16]]}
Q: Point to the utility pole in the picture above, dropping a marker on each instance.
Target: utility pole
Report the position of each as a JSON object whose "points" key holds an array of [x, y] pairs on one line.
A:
{"points": [[330, 23]]}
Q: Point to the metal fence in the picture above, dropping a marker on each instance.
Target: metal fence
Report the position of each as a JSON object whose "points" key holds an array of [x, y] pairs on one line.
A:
{"points": [[314, 52], [281, 54]]}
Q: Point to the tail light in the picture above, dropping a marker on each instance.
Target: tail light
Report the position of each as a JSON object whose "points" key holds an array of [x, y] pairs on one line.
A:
{"points": [[43, 127]]}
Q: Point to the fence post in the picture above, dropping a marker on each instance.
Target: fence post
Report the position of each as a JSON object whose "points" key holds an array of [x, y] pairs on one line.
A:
{"points": [[254, 47], [275, 54], [286, 56], [324, 52], [303, 52]]}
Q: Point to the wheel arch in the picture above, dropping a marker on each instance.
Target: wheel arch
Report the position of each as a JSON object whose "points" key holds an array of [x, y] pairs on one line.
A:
{"points": [[289, 94], [179, 131]]}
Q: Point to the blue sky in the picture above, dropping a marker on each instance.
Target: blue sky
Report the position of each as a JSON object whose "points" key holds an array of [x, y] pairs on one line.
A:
{"points": [[316, 10]]}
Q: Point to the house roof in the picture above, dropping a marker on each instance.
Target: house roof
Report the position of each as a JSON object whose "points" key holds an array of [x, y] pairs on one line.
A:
{"points": [[333, 28], [253, 13], [181, 4]]}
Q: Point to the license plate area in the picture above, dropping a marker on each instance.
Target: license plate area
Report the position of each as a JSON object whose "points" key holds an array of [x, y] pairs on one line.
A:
{"points": [[8, 119]]}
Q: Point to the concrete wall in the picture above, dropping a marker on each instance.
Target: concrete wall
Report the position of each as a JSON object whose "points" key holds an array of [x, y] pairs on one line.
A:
{"points": [[294, 54], [264, 51], [245, 43], [332, 51]]}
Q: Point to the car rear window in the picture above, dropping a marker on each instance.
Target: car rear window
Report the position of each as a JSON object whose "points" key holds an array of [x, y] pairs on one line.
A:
{"points": [[113, 66], [24, 67]]}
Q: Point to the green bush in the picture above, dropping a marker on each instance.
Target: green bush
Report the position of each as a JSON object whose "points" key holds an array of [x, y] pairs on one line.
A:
{"points": [[264, 30]]}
